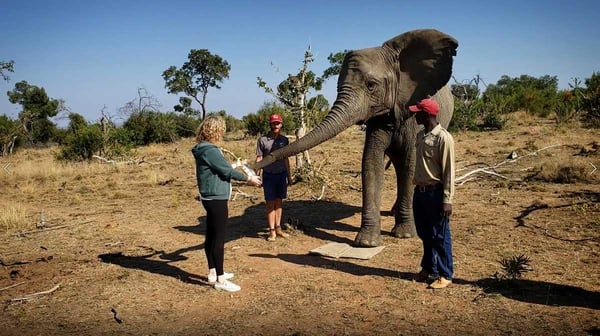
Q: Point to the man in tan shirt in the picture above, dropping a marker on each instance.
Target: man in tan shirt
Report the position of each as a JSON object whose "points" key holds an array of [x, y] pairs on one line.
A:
{"points": [[434, 190]]}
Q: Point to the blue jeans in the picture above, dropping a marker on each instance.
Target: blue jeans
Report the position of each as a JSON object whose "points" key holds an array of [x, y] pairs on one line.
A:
{"points": [[434, 231]]}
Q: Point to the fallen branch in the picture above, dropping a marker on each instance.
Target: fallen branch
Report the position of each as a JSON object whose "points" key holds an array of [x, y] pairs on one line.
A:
{"points": [[15, 285], [112, 162], [50, 228], [129, 162], [314, 198], [143, 160], [34, 295], [489, 169], [20, 262]]}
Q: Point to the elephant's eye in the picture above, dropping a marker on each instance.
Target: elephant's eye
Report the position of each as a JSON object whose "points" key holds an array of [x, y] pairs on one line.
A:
{"points": [[371, 85]]}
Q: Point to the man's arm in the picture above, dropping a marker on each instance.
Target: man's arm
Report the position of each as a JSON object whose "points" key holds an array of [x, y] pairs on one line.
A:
{"points": [[448, 172]]}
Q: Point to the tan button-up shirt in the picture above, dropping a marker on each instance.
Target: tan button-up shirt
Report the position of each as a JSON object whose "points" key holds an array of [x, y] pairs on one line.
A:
{"points": [[435, 160]]}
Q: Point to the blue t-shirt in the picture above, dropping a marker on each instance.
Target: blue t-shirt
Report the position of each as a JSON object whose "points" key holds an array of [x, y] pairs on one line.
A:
{"points": [[267, 144]]}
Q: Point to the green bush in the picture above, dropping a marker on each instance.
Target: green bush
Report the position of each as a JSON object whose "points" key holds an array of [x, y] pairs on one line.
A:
{"points": [[534, 95], [464, 117], [82, 145], [11, 135], [186, 125], [258, 124], [567, 107], [151, 127], [591, 101]]}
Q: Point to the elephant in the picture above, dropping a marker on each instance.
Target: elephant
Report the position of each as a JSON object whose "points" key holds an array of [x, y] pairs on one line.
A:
{"points": [[375, 86]]}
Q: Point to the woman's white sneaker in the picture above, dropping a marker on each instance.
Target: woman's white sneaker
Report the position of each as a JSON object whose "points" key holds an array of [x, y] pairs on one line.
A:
{"points": [[227, 285], [226, 276]]}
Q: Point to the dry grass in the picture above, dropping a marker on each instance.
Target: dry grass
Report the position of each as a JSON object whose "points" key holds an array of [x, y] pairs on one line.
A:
{"points": [[13, 217]]}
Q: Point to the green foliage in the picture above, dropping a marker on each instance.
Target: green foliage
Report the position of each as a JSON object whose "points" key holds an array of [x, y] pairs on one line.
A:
{"points": [[258, 124], [186, 125], [493, 111], [335, 60], [465, 116], [472, 112], [6, 67], [151, 127], [76, 122], [514, 267], [11, 133], [202, 71], [81, 145], [316, 109], [37, 108], [590, 102], [566, 106], [534, 95]]}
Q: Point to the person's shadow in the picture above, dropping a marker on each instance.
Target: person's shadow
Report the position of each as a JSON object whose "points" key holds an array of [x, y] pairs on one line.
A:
{"points": [[530, 291], [312, 218], [153, 266]]}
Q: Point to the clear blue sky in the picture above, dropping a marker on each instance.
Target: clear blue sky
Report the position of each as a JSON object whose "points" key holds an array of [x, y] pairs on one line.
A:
{"points": [[93, 54]]}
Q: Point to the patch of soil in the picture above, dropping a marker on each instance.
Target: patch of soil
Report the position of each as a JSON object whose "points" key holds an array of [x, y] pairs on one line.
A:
{"points": [[130, 260]]}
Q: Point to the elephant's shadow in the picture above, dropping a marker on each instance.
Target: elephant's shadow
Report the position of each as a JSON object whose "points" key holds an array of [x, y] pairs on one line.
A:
{"points": [[313, 219]]}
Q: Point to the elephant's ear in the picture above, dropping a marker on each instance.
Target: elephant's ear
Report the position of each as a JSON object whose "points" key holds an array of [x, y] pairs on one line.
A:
{"points": [[426, 55]]}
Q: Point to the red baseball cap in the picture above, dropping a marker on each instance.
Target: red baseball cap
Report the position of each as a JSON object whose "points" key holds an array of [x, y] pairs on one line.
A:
{"points": [[275, 118], [426, 105]]}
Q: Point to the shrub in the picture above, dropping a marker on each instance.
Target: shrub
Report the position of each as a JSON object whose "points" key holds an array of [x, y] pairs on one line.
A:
{"points": [[151, 127], [82, 145], [591, 101], [11, 135], [258, 123]]}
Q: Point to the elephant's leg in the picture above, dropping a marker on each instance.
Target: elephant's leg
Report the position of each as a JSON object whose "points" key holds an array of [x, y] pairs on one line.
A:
{"points": [[403, 212], [402, 154], [376, 141]]}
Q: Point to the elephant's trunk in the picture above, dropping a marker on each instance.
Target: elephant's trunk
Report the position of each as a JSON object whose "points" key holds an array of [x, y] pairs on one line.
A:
{"points": [[337, 120]]}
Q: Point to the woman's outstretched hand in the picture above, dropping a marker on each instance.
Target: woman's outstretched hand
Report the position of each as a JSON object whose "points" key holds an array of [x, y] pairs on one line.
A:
{"points": [[254, 181]]}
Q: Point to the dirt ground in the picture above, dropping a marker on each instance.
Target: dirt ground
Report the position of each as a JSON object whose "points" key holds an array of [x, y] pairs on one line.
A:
{"points": [[125, 245]]}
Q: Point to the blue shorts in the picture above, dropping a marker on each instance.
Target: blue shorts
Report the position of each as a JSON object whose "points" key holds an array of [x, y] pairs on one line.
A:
{"points": [[275, 186]]}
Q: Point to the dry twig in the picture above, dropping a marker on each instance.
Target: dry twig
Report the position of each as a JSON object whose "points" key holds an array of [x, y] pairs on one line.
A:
{"points": [[314, 198], [15, 285], [51, 228], [34, 295], [489, 169]]}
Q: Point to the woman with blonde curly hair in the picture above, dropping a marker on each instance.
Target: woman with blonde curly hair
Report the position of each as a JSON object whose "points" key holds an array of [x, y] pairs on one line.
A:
{"points": [[214, 174]]}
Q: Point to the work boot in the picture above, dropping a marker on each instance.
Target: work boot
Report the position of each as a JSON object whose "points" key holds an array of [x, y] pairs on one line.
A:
{"points": [[279, 232], [272, 235], [440, 283]]}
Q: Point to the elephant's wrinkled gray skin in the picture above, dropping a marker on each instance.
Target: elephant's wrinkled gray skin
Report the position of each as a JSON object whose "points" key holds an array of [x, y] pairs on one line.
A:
{"points": [[374, 87]]}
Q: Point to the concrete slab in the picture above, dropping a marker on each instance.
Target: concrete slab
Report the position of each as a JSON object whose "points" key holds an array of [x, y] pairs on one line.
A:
{"points": [[343, 250]]}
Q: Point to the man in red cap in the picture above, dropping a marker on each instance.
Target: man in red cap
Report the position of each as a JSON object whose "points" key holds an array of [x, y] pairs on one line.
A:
{"points": [[434, 190], [276, 176]]}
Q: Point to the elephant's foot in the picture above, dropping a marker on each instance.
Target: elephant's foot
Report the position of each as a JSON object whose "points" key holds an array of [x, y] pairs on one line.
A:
{"points": [[401, 231], [368, 237]]}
